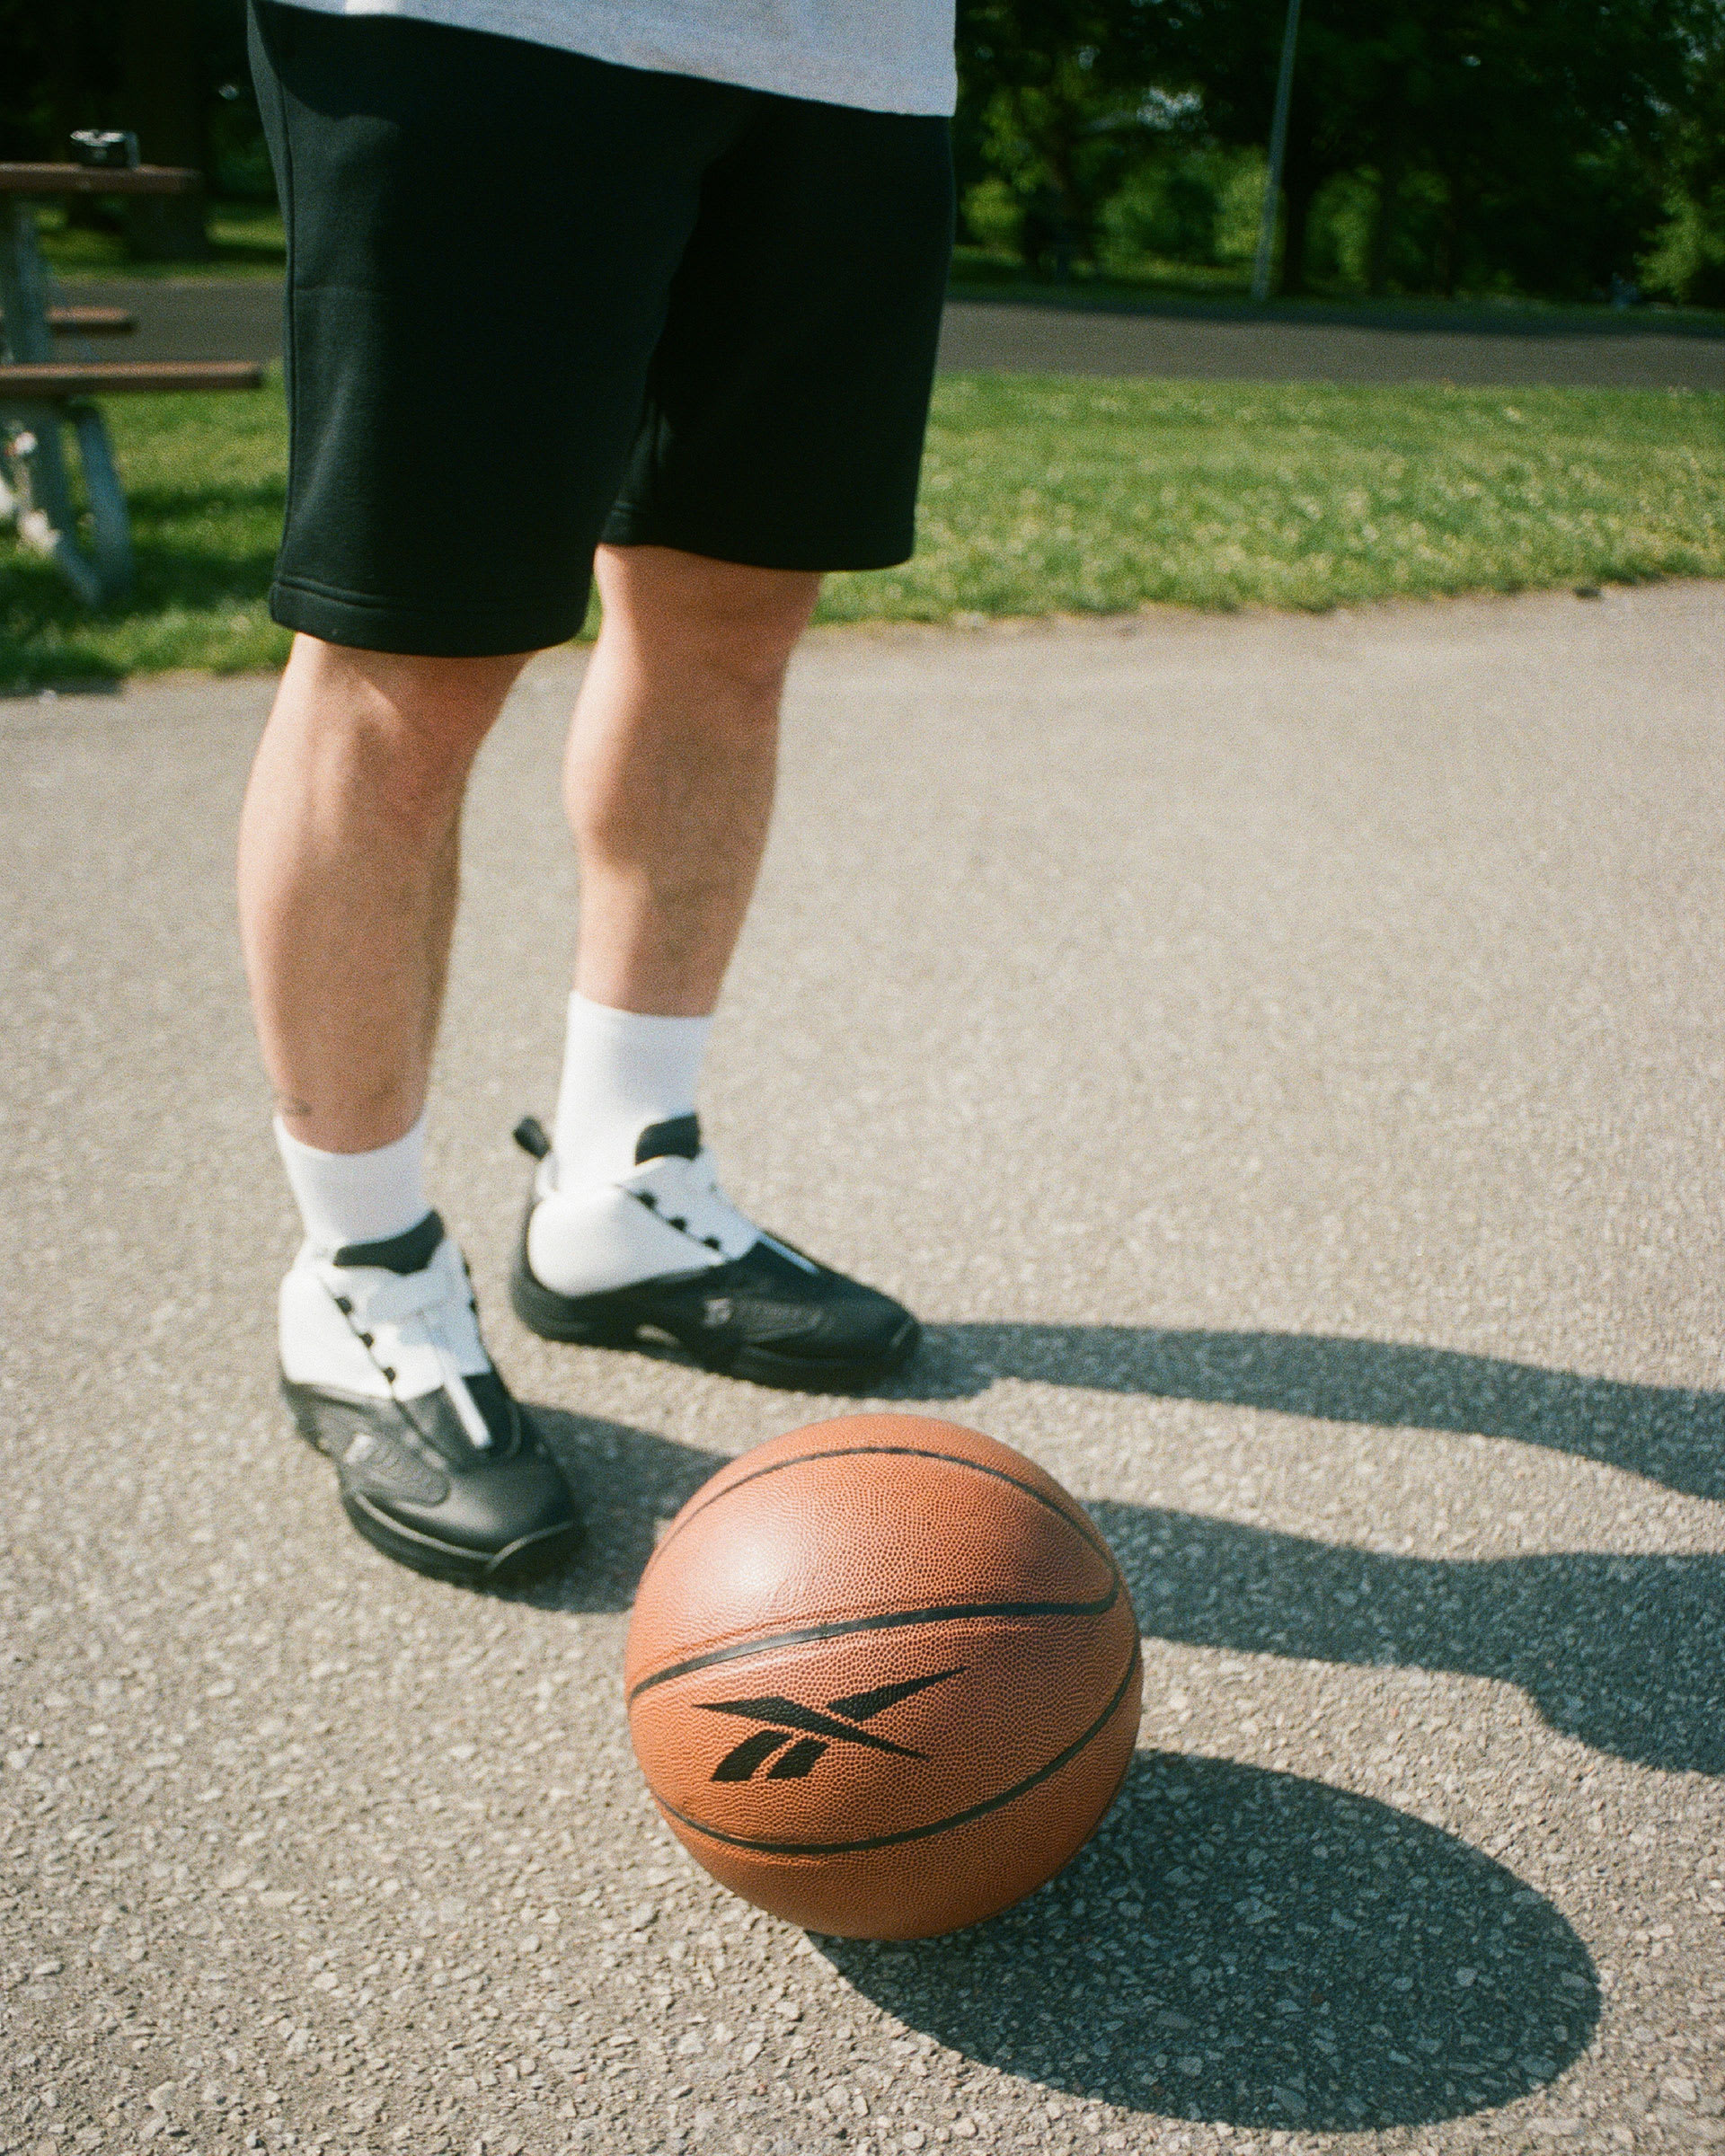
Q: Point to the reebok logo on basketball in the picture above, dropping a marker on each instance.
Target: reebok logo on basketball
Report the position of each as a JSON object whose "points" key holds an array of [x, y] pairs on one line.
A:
{"points": [[800, 1734]]}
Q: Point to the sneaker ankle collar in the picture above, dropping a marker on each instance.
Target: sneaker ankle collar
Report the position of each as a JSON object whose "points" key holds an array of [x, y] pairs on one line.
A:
{"points": [[410, 1253]]}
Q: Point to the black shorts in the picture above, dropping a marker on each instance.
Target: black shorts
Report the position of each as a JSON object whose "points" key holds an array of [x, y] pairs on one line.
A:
{"points": [[535, 301]]}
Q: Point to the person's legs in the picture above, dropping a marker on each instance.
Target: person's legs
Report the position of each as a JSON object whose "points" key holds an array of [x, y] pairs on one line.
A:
{"points": [[349, 853], [348, 845], [668, 785], [668, 777], [783, 428]]}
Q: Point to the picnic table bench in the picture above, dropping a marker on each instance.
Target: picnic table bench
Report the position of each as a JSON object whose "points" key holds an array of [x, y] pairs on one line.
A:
{"points": [[42, 397]]}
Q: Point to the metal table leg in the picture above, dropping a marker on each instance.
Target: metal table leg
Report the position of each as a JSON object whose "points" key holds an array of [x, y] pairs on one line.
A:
{"points": [[38, 499]]}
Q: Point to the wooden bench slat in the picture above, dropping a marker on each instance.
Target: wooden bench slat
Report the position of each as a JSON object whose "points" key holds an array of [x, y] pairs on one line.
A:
{"points": [[91, 321], [98, 179], [110, 377]]}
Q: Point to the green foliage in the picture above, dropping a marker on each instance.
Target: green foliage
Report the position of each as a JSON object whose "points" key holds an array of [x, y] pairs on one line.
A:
{"points": [[1555, 147], [1054, 105], [1040, 495], [172, 72], [1688, 258], [1186, 202], [1487, 145]]}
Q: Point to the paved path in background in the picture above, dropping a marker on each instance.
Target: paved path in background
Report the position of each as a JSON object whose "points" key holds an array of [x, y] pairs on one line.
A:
{"points": [[1282, 1059], [241, 320], [1030, 339]]}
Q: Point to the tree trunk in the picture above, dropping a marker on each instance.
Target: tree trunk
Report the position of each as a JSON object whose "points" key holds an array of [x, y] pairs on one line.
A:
{"points": [[1299, 185], [1391, 166], [1449, 264], [163, 104]]}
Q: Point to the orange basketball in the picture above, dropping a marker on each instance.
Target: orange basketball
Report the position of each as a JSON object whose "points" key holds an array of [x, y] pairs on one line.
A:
{"points": [[883, 1676]]}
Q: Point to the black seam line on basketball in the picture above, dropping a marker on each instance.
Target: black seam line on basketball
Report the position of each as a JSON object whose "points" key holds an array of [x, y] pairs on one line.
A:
{"points": [[841, 1627], [940, 1827], [1083, 1527], [787, 1715]]}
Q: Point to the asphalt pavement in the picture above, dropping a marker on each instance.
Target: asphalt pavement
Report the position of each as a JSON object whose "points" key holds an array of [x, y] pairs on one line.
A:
{"points": [[237, 318], [1281, 1057]]}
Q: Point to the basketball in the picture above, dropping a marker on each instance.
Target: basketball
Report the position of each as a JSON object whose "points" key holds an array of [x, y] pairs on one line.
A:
{"points": [[883, 1676]]}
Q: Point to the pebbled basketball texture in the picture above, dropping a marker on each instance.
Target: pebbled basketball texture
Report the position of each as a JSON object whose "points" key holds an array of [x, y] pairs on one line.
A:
{"points": [[883, 1676]]}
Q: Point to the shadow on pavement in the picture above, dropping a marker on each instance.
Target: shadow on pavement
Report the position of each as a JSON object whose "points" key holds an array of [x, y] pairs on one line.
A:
{"points": [[1627, 1653], [627, 1480], [1668, 1433], [1243, 1945]]}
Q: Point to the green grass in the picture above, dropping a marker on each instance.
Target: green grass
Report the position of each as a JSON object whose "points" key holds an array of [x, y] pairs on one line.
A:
{"points": [[1041, 495], [245, 240], [1044, 496]]}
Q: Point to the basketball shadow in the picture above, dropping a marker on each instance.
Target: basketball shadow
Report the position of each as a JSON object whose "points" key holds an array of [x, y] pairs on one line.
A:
{"points": [[627, 1480], [1671, 1433], [1245, 1947]]}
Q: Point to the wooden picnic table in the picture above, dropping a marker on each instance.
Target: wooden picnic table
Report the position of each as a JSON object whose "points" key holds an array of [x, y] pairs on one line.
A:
{"points": [[42, 396]]}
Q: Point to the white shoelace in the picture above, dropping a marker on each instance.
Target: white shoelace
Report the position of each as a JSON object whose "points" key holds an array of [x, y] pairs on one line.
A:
{"points": [[429, 1310]]}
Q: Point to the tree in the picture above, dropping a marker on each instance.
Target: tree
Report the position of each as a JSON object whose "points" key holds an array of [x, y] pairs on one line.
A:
{"points": [[1538, 120], [164, 94], [1688, 258], [1051, 99]]}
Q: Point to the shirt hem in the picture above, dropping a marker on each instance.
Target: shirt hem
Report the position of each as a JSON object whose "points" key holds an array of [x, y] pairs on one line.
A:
{"points": [[780, 71]]}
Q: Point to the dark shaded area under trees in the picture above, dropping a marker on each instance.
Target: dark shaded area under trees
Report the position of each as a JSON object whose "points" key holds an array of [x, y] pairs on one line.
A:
{"points": [[1563, 148], [1560, 148], [171, 72]]}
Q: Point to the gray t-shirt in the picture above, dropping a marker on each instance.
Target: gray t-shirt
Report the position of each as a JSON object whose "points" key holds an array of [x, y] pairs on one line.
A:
{"points": [[883, 56]]}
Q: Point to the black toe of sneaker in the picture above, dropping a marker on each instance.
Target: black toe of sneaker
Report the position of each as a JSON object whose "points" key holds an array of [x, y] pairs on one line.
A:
{"points": [[772, 1315], [417, 1489], [439, 1465]]}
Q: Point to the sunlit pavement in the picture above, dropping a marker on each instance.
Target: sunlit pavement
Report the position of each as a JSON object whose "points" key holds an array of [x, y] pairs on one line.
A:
{"points": [[1282, 1059]]}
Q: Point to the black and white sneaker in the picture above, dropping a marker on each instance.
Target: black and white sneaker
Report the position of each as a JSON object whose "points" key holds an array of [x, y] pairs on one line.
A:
{"points": [[663, 1251], [383, 1368]]}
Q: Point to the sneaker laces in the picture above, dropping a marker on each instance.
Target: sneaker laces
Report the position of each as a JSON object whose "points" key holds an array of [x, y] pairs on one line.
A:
{"points": [[687, 1195], [396, 1314]]}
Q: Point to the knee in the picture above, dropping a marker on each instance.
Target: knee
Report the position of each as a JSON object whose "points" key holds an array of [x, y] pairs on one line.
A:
{"points": [[730, 623], [413, 723]]}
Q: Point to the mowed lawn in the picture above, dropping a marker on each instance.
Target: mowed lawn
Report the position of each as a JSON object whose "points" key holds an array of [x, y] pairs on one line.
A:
{"points": [[1041, 495]]}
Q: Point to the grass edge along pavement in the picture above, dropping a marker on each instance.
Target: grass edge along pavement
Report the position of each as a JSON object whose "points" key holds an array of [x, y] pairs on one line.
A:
{"points": [[1041, 495]]}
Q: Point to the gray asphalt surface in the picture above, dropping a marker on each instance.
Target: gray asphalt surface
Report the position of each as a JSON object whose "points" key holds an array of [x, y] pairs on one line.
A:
{"points": [[1018, 339], [241, 319], [1281, 1059]]}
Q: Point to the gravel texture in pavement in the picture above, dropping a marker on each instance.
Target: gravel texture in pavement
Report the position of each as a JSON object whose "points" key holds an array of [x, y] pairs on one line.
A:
{"points": [[1282, 1060]]}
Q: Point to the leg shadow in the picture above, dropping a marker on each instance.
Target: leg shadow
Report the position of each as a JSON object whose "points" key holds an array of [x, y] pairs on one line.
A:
{"points": [[1627, 1653], [1246, 1947], [627, 1481], [1671, 1433]]}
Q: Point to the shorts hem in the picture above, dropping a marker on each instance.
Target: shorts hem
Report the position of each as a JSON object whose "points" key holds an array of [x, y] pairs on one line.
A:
{"points": [[419, 631], [628, 526]]}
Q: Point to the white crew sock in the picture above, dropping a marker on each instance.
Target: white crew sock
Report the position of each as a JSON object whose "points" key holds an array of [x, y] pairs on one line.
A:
{"points": [[622, 1071], [357, 1196]]}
